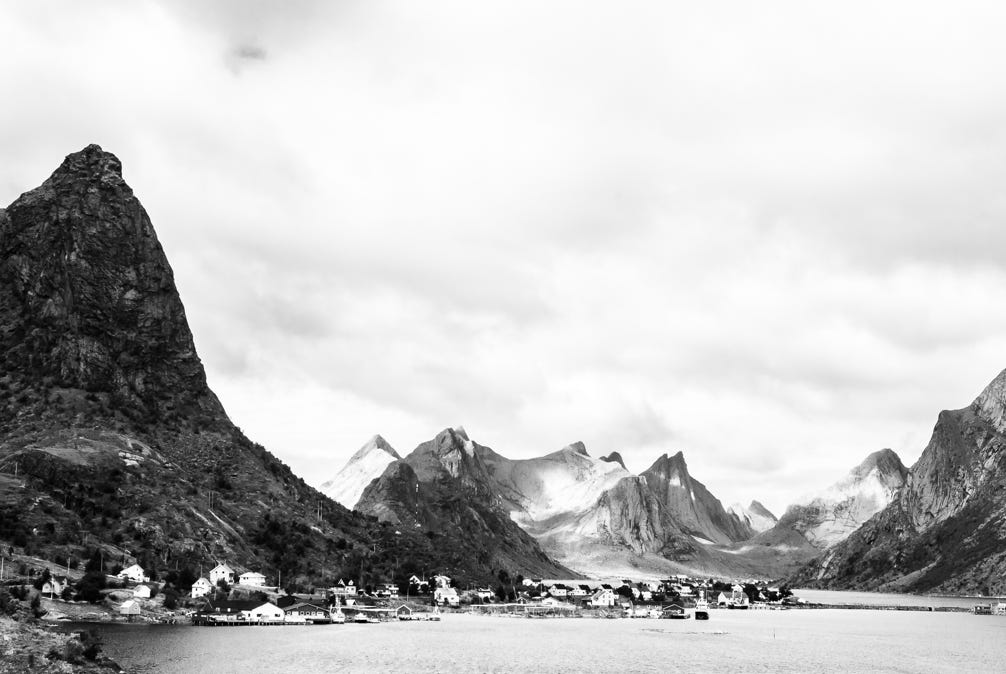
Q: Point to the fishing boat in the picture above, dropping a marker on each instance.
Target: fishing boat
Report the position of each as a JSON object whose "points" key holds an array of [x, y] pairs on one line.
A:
{"points": [[338, 617], [702, 609]]}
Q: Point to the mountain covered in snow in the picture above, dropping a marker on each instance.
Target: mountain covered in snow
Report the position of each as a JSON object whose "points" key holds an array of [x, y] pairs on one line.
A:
{"points": [[756, 516], [365, 465], [829, 517]]}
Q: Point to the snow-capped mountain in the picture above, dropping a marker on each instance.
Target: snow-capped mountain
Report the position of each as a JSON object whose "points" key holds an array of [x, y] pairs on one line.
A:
{"points": [[829, 518], [368, 463], [755, 515]]}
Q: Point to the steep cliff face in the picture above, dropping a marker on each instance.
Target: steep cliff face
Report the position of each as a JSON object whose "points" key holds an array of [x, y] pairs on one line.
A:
{"points": [[445, 489], [828, 518], [367, 464], [946, 530], [110, 437], [88, 303], [695, 509]]}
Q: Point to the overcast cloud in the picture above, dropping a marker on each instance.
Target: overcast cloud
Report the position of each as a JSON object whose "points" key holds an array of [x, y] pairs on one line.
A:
{"points": [[769, 235]]}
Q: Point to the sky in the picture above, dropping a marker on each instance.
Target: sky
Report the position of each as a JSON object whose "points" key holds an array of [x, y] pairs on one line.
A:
{"points": [[769, 235]]}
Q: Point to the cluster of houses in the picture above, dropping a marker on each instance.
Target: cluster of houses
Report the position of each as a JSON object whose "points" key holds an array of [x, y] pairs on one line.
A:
{"points": [[625, 593], [227, 612], [222, 572]]}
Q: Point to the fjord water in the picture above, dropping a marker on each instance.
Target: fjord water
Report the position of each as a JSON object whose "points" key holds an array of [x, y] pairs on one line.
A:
{"points": [[832, 640]]}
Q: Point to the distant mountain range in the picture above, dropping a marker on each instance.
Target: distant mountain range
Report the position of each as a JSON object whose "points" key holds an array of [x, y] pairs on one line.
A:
{"points": [[595, 517], [111, 442]]}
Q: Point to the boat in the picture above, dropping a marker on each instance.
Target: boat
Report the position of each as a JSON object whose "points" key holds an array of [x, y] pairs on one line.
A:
{"points": [[702, 609], [338, 617]]}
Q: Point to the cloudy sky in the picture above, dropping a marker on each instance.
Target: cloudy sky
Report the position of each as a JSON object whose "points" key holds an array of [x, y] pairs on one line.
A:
{"points": [[769, 235]]}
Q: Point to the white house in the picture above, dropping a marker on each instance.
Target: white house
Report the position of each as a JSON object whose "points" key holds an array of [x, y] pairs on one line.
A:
{"points": [[305, 612], [579, 591], [53, 586], [141, 592], [201, 588], [251, 578], [129, 607], [446, 595], [134, 573], [267, 612], [603, 597], [343, 589], [559, 591], [222, 572], [442, 581], [484, 593]]}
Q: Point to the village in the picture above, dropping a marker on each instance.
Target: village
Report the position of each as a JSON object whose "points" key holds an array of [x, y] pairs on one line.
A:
{"points": [[225, 597]]}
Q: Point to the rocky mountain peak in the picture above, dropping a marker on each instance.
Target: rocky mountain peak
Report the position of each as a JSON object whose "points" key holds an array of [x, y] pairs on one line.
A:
{"points": [[88, 300], [758, 509], [991, 403], [669, 467], [376, 444], [577, 448], [884, 464], [614, 457]]}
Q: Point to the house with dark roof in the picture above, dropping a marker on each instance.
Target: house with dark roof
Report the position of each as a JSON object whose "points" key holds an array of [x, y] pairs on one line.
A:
{"points": [[306, 612]]}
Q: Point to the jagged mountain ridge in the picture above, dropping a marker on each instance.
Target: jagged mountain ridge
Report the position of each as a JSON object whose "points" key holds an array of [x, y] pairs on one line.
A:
{"points": [[444, 487], [696, 510], [756, 516], [107, 420], [946, 530], [831, 516], [590, 514], [366, 464]]}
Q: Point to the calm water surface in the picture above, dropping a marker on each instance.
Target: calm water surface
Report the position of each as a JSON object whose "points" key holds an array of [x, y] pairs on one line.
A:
{"points": [[832, 640]]}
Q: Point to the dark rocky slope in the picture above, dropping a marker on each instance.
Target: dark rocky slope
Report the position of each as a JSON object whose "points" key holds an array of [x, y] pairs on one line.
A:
{"points": [[110, 437], [444, 488], [946, 530]]}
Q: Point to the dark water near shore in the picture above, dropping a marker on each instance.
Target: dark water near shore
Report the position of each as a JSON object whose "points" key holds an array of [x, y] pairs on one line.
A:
{"points": [[832, 640]]}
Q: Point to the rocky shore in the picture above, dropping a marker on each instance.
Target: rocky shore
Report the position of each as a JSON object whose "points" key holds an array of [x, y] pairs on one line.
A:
{"points": [[31, 647]]}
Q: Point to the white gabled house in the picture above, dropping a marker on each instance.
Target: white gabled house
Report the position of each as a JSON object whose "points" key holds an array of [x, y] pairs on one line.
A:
{"points": [[134, 573], [267, 612], [142, 592], [222, 572], [343, 589], [54, 586], [447, 596], [129, 607], [251, 578], [559, 591], [201, 588], [604, 597]]}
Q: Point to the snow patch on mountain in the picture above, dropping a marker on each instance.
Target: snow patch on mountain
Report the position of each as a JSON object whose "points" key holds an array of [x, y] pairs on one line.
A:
{"points": [[367, 464], [755, 516], [829, 517]]}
